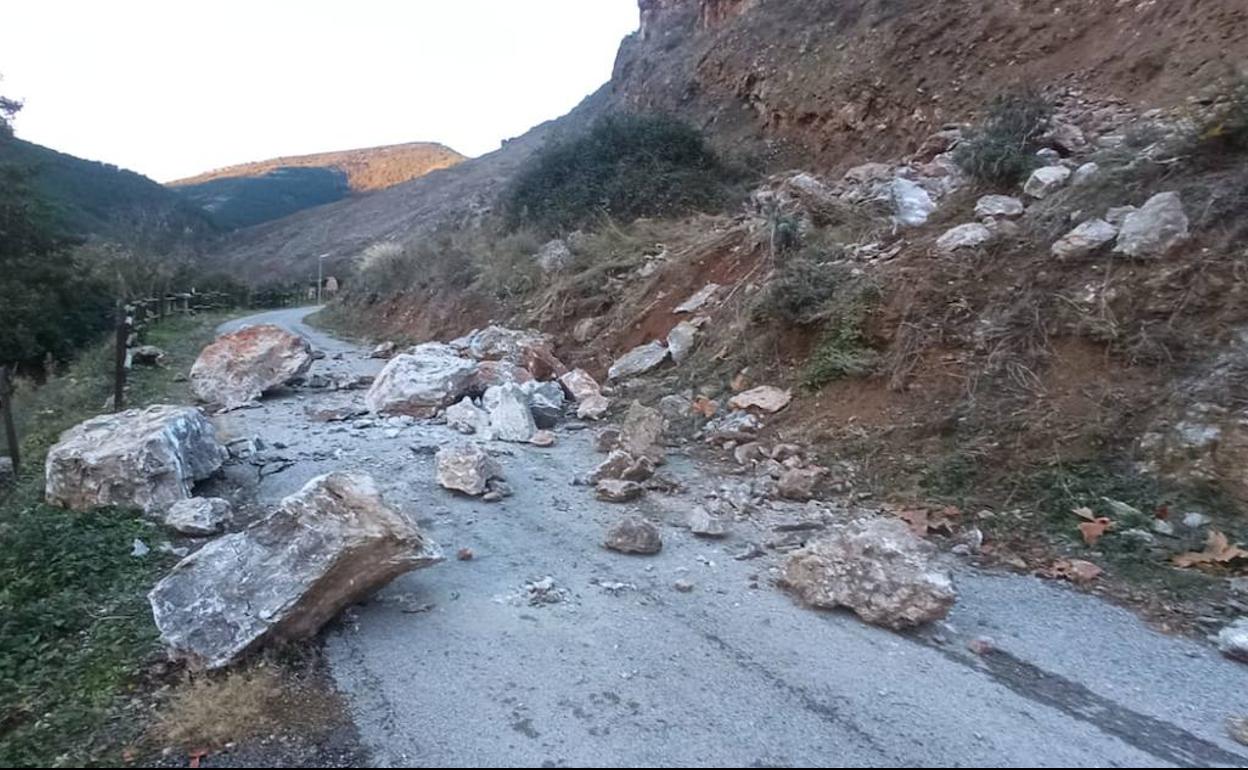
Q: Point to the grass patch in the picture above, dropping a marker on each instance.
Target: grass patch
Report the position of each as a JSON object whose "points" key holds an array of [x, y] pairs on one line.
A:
{"points": [[75, 627]]}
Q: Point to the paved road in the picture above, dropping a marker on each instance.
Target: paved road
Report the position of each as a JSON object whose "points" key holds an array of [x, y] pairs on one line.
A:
{"points": [[732, 674]]}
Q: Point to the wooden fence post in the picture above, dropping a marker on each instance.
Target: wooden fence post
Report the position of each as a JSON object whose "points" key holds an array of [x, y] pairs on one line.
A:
{"points": [[10, 429], [123, 337]]}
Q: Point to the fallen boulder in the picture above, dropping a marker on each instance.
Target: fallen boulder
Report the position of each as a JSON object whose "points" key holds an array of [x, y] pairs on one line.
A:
{"points": [[199, 516], [467, 468], [491, 373], [879, 569], [623, 466], [331, 544], [799, 484], [634, 535], [638, 361], [705, 524], [525, 348], [1155, 228], [765, 398], [146, 459], [641, 435], [593, 408], [239, 367], [510, 416], [421, 381]]}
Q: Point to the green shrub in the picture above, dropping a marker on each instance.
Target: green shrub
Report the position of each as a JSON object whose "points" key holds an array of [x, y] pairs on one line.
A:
{"points": [[624, 167], [1002, 151], [1227, 127]]}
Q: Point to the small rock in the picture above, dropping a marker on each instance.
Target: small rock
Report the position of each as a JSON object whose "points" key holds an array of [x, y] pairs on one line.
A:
{"points": [[139, 549], [1118, 214], [1085, 239], [199, 516], [703, 524], [683, 586], [636, 536], [1046, 181], [1084, 174], [465, 554], [543, 438], [999, 206], [642, 432], [466, 417], [580, 385], [964, 237], [912, 205], [681, 340], [1155, 228], [384, 350], [1163, 527], [639, 360], [1195, 520], [593, 408], [765, 398], [1232, 641], [554, 256], [981, 645], [799, 484], [698, 300], [147, 355], [618, 490]]}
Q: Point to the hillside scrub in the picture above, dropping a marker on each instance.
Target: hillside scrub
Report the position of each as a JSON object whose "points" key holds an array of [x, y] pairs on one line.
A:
{"points": [[1002, 150], [624, 167]]}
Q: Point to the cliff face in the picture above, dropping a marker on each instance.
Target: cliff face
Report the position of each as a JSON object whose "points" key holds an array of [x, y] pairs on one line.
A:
{"points": [[818, 83]]}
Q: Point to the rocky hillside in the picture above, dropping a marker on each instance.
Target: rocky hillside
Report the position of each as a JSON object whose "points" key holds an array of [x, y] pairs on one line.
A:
{"points": [[252, 193], [812, 84]]}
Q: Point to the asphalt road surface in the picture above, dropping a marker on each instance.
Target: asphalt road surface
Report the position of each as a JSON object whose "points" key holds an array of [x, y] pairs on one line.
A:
{"points": [[461, 665]]}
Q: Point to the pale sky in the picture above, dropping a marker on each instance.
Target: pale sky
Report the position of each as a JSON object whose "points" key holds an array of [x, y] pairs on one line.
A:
{"points": [[170, 88]]}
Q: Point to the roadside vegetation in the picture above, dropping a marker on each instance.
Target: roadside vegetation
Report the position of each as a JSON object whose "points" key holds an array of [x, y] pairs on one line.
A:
{"points": [[76, 632]]}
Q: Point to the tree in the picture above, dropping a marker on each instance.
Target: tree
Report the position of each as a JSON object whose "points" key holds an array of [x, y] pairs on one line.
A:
{"points": [[48, 303]]}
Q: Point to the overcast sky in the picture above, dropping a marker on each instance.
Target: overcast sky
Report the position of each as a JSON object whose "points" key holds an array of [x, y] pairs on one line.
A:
{"points": [[171, 88]]}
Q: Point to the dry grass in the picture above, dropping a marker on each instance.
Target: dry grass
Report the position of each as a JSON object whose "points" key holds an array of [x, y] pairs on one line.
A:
{"points": [[210, 711]]}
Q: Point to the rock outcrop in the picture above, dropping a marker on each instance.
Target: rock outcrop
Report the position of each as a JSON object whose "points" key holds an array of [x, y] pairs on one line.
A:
{"points": [[239, 367], [879, 569], [146, 459], [331, 544]]}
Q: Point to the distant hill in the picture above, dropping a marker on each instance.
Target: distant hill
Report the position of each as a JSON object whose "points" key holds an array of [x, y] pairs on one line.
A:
{"points": [[251, 193], [100, 199]]}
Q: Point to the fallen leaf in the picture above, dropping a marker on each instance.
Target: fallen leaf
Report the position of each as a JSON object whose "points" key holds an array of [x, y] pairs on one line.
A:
{"points": [[705, 407], [1077, 571], [1094, 530], [1218, 550], [1085, 513]]}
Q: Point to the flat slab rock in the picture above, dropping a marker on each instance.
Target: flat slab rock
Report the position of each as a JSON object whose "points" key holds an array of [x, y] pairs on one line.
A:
{"points": [[639, 360], [876, 567], [765, 398], [239, 367], [147, 459], [325, 547]]}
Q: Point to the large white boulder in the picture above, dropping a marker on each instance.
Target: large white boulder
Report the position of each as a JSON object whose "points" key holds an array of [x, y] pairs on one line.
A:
{"points": [[879, 569], [239, 367], [911, 203], [1155, 228], [325, 547], [421, 381], [146, 459]]}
